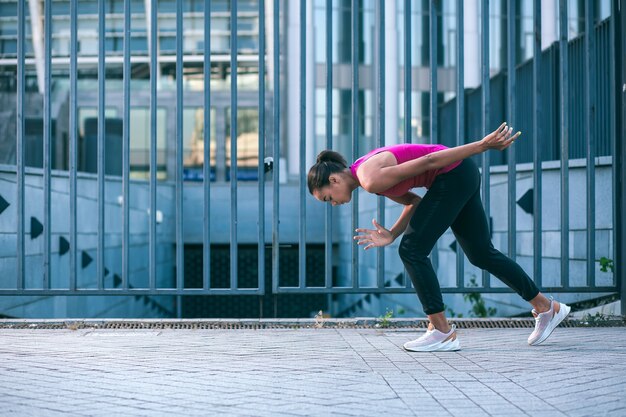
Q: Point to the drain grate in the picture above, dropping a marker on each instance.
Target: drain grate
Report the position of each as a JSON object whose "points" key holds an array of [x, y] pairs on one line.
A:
{"points": [[251, 324]]}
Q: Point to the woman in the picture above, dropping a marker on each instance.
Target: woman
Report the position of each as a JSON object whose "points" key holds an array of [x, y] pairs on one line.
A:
{"points": [[452, 200]]}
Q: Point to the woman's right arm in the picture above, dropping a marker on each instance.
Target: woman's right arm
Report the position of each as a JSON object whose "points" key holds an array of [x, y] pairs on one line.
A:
{"points": [[379, 236]]}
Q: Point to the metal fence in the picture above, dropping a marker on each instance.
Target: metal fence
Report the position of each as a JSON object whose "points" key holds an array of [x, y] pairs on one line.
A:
{"points": [[594, 91]]}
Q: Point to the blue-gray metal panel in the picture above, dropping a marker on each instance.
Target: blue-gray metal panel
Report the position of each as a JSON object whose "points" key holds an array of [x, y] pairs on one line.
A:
{"points": [[21, 40], [590, 110], [206, 167], [460, 119], [153, 143], [275, 176], [486, 102], [511, 93], [407, 76], [328, 237], [564, 83], [380, 204], [355, 134], [101, 144], [261, 185], [302, 230], [73, 123], [537, 97], [47, 223], [233, 145], [180, 260]]}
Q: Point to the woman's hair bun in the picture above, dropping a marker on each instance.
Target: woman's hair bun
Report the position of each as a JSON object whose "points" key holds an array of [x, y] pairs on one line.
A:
{"points": [[333, 157]]}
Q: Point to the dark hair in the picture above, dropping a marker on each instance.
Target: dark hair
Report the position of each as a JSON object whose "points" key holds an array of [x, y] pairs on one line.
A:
{"points": [[328, 162]]}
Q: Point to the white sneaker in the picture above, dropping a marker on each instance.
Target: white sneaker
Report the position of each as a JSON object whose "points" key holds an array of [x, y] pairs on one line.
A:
{"points": [[434, 341], [546, 322]]}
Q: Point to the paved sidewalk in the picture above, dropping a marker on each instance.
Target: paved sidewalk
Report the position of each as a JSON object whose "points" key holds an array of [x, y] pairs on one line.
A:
{"points": [[274, 372]]}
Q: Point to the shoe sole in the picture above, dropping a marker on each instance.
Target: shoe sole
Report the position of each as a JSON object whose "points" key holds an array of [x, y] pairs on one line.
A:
{"points": [[553, 324], [449, 346]]}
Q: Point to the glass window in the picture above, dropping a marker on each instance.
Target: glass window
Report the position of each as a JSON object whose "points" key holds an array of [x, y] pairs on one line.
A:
{"points": [[247, 142], [193, 143], [140, 143], [85, 113]]}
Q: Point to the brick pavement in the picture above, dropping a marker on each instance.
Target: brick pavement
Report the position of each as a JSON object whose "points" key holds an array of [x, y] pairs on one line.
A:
{"points": [[327, 371]]}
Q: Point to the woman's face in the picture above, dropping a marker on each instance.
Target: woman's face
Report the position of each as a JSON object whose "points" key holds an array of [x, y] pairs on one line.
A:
{"points": [[336, 193]]}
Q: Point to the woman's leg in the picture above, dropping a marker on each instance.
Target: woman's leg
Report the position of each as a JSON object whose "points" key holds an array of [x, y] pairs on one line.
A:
{"points": [[435, 213], [472, 233]]}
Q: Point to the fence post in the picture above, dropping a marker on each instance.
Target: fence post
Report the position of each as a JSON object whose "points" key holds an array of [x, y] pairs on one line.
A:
{"points": [[620, 154]]}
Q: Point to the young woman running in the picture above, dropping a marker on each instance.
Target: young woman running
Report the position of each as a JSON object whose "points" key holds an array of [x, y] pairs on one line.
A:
{"points": [[452, 200]]}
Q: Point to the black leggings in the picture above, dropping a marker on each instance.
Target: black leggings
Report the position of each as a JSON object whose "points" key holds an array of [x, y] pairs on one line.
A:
{"points": [[454, 201]]}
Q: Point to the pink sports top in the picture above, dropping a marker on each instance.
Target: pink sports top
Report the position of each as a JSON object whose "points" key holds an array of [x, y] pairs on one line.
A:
{"points": [[403, 153]]}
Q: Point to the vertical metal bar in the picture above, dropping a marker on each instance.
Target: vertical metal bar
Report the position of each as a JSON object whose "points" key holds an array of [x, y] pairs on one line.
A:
{"points": [[614, 89], [153, 142], [355, 133], [434, 128], [564, 83], [537, 108], [73, 124], [511, 92], [126, 149], [261, 248], [590, 132], [21, 40], [408, 72], [460, 119], [206, 168], [486, 101], [620, 156], [328, 237], [380, 208], [614, 65], [233, 145], [180, 260], [302, 231], [101, 144], [276, 199], [432, 50], [408, 67], [47, 130]]}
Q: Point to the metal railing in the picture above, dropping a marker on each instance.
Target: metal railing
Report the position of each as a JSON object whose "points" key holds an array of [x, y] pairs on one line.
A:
{"points": [[331, 219]]}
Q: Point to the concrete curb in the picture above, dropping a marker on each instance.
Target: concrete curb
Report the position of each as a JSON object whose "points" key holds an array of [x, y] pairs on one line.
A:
{"points": [[360, 322]]}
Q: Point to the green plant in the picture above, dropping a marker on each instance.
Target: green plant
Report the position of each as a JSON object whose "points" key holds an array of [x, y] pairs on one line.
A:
{"points": [[319, 319], [606, 264], [594, 319], [479, 309], [384, 320]]}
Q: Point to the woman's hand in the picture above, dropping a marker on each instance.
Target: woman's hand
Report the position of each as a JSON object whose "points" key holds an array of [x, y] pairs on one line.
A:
{"points": [[374, 238], [500, 138]]}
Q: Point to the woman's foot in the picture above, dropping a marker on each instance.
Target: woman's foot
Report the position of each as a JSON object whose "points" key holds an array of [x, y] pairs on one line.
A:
{"points": [[434, 341], [547, 321]]}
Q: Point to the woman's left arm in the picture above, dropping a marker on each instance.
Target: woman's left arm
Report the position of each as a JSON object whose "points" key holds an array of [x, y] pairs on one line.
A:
{"points": [[377, 178]]}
